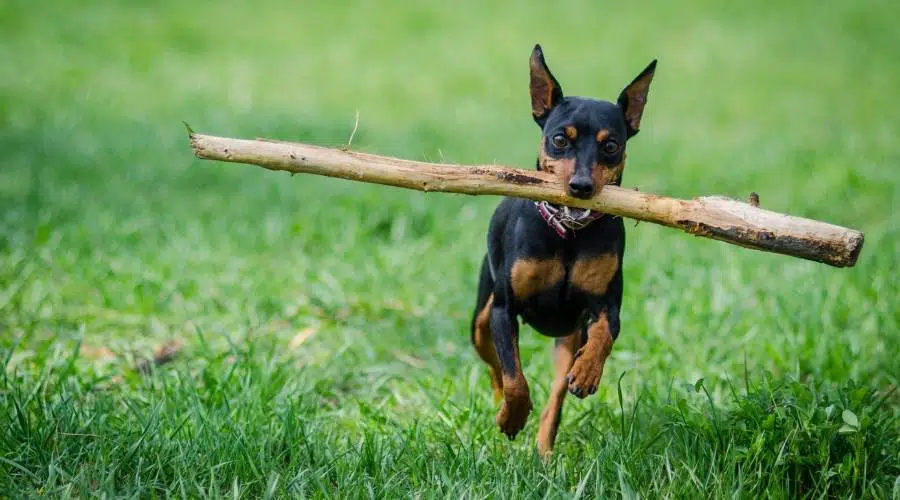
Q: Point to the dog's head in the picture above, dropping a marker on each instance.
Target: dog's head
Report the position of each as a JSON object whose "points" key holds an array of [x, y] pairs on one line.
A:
{"points": [[583, 140]]}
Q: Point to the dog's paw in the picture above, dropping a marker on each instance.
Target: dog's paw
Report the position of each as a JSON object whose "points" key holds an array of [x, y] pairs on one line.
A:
{"points": [[544, 448], [584, 377], [512, 416]]}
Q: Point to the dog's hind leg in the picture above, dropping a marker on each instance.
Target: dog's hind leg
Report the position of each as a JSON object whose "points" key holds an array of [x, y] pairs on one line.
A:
{"points": [[563, 355], [505, 333], [481, 329]]}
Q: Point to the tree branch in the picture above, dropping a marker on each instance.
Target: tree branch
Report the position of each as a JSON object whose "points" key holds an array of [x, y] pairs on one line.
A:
{"points": [[713, 217]]}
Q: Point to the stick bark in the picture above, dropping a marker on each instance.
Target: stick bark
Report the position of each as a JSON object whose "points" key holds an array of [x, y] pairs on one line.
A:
{"points": [[713, 217]]}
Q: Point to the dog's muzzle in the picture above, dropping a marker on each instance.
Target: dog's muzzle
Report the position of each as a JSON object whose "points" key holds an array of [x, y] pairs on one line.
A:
{"points": [[563, 218]]}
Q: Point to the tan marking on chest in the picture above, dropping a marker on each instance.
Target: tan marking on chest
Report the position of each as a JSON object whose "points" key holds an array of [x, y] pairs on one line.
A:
{"points": [[594, 274], [530, 276]]}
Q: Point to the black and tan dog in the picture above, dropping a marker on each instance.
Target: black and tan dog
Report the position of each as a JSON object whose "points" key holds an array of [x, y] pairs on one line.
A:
{"points": [[560, 269]]}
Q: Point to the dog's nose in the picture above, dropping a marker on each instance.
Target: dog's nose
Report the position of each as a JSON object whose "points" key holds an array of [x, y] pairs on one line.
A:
{"points": [[581, 188]]}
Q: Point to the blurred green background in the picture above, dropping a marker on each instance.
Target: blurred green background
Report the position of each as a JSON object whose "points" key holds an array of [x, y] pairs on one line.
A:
{"points": [[112, 235]]}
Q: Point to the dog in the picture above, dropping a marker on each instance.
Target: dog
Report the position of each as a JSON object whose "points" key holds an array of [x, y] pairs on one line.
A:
{"points": [[556, 267]]}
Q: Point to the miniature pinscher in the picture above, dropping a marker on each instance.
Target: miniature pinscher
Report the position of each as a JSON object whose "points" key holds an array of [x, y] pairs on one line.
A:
{"points": [[556, 267]]}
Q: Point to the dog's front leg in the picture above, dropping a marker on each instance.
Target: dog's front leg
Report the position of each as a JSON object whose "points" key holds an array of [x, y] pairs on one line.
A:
{"points": [[584, 377], [516, 399]]}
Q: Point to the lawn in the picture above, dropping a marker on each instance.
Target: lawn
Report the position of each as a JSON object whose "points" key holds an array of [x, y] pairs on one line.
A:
{"points": [[324, 324]]}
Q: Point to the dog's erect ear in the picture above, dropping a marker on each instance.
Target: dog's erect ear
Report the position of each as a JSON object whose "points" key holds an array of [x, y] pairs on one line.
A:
{"points": [[545, 90], [634, 97]]}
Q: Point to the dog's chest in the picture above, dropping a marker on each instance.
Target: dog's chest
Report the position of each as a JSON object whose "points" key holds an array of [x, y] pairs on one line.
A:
{"points": [[591, 275]]}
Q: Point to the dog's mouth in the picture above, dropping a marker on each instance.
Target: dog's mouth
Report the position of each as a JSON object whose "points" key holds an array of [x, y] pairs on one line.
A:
{"points": [[575, 214], [572, 217]]}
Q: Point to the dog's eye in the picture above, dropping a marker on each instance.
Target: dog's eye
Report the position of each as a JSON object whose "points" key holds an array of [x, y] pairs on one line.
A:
{"points": [[559, 141], [610, 147]]}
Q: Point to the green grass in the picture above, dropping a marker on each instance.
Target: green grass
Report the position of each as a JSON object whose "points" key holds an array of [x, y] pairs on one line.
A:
{"points": [[112, 236]]}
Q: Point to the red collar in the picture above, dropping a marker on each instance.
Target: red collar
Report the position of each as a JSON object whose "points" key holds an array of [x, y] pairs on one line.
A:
{"points": [[560, 221]]}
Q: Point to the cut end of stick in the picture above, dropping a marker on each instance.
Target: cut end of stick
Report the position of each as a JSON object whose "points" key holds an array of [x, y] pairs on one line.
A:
{"points": [[856, 244], [192, 136]]}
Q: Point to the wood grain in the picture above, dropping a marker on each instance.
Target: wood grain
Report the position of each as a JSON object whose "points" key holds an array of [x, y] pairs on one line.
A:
{"points": [[715, 217]]}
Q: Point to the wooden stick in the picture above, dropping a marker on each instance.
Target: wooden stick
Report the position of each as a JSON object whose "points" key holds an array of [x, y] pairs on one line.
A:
{"points": [[713, 217]]}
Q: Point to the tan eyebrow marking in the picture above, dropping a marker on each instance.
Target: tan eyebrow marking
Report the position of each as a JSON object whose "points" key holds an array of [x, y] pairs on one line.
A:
{"points": [[571, 133], [602, 135]]}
